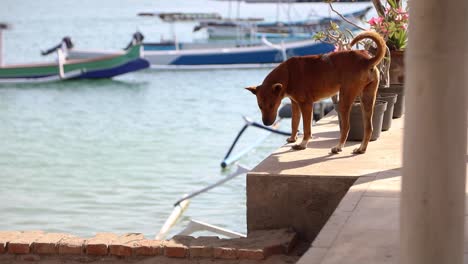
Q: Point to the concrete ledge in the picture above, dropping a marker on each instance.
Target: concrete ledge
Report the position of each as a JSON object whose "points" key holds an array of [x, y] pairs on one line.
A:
{"points": [[41, 246], [365, 227], [301, 189]]}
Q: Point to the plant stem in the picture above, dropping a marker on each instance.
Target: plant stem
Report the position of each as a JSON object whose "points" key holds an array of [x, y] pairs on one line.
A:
{"points": [[379, 8], [344, 18]]}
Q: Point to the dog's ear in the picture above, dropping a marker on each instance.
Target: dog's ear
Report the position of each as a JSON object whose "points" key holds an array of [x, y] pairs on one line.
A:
{"points": [[277, 87], [252, 89]]}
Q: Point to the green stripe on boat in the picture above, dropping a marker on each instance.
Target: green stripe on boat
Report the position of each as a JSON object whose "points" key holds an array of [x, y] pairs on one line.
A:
{"points": [[85, 65]]}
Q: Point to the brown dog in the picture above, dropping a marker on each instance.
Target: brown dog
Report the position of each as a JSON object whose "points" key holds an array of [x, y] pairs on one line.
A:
{"points": [[308, 79]]}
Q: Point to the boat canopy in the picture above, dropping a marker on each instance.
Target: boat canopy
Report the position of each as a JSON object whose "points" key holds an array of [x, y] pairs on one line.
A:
{"points": [[180, 17], [295, 1]]}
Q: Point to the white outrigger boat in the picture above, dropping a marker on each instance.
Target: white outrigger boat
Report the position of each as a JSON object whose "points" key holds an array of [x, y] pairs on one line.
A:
{"points": [[254, 52], [265, 55]]}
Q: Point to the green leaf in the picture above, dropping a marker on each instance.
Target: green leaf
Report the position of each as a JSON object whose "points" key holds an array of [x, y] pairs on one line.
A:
{"points": [[393, 3]]}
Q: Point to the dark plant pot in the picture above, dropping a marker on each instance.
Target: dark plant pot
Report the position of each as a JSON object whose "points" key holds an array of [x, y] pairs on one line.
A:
{"points": [[399, 89], [390, 98], [356, 130]]}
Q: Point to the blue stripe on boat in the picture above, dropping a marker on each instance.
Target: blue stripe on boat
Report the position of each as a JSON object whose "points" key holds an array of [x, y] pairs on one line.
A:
{"points": [[134, 65], [253, 57], [229, 58], [319, 48]]}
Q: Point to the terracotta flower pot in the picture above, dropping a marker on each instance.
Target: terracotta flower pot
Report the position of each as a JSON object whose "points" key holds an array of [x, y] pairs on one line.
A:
{"points": [[356, 130], [397, 67]]}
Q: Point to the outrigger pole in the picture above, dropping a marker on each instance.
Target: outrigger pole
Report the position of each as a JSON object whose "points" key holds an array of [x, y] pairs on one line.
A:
{"points": [[3, 26], [284, 112], [181, 205]]}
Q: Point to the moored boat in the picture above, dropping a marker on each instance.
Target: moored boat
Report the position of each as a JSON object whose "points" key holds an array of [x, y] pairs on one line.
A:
{"points": [[266, 55], [92, 68], [228, 28]]}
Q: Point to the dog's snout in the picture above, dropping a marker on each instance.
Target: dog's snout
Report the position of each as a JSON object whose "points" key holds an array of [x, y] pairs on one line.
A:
{"points": [[267, 121]]}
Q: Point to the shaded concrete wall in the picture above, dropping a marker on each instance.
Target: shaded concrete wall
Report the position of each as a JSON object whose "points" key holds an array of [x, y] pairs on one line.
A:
{"points": [[302, 202]]}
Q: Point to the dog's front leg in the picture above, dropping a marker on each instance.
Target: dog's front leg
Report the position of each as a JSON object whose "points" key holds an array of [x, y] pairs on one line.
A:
{"points": [[295, 119], [306, 110]]}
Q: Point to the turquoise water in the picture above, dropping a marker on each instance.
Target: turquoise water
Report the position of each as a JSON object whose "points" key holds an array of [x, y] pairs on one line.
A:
{"points": [[113, 155]]}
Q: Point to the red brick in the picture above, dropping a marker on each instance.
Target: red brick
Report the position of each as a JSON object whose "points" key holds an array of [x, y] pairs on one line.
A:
{"points": [[224, 253], [21, 244], [148, 247], [173, 249], [273, 250], [123, 246], [48, 243], [201, 251], [5, 238], [202, 247], [71, 246], [29, 257], [98, 245], [280, 241], [251, 254]]}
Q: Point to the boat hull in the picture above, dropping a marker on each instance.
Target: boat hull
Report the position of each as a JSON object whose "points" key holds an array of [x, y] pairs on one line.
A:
{"points": [[234, 58], [99, 66], [131, 66], [245, 57]]}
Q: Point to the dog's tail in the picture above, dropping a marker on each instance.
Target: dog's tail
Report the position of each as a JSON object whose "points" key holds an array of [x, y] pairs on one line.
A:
{"points": [[381, 46]]}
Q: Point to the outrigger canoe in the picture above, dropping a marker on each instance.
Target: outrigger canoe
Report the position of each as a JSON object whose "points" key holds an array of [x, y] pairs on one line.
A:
{"points": [[106, 66], [266, 55]]}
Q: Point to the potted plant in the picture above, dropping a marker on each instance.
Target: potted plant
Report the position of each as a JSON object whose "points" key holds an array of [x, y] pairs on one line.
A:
{"points": [[392, 24], [356, 126]]}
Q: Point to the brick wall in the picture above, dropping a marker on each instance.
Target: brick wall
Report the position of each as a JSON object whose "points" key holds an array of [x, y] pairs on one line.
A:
{"points": [[37, 245]]}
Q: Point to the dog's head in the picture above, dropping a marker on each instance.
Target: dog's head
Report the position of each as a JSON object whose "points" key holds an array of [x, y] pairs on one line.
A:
{"points": [[269, 96], [271, 92]]}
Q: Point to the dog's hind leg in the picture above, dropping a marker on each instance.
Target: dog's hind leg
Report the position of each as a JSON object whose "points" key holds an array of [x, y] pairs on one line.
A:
{"points": [[306, 110], [295, 119], [367, 107], [344, 109]]}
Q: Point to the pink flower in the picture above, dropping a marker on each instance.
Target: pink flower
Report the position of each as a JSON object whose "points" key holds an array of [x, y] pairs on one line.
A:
{"points": [[375, 21], [400, 11]]}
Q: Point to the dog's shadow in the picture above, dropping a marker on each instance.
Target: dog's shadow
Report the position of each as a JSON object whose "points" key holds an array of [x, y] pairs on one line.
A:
{"points": [[295, 164], [318, 143]]}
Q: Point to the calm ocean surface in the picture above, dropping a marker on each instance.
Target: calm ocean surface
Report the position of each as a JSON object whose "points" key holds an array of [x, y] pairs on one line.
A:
{"points": [[114, 155]]}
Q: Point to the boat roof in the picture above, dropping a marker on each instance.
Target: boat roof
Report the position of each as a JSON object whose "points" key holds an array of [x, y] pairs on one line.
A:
{"points": [[179, 16], [296, 1]]}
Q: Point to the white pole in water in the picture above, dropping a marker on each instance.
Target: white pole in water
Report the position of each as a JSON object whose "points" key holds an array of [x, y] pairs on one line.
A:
{"points": [[435, 134], [3, 26], [172, 219], [278, 10], [1, 47]]}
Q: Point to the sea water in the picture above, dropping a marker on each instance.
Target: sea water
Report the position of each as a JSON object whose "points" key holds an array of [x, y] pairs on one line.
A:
{"points": [[114, 155]]}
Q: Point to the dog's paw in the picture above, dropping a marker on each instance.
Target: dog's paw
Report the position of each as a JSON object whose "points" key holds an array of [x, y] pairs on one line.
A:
{"points": [[359, 151], [336, 150], [291, 139], [298, 147]]}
